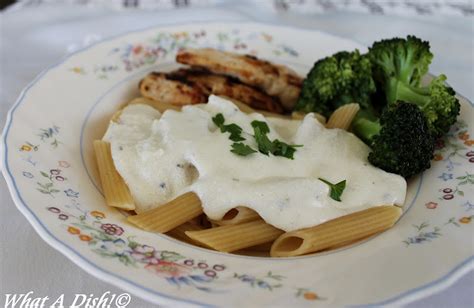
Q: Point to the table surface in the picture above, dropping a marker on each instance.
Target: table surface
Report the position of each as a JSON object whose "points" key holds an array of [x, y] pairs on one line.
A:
{"points": [[32, 38]]}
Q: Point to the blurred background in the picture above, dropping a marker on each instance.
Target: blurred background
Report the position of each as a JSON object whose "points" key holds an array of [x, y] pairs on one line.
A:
{"points": [[35, 34]]}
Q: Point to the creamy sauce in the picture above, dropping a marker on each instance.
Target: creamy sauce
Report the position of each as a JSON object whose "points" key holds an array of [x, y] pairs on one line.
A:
{"points": [[161, 156]]}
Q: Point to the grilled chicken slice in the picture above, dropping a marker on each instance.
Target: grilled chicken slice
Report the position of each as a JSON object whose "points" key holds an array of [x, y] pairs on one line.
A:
{"points": [[159, 87], [184, 87], [230, 87], [275, 80]]}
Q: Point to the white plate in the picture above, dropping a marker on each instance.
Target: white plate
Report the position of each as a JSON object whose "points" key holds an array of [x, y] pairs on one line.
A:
{"points": [[48, 164]]}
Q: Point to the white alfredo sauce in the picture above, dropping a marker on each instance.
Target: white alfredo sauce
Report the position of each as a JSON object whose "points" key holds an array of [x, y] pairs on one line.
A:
{"points": [[161, 156]]}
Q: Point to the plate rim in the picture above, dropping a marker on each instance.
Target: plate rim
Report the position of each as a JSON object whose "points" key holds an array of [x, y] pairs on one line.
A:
{"points": [[123, 283]]}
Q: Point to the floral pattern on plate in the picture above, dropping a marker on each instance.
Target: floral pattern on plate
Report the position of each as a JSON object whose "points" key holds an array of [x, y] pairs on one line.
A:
{"points": [[164, 45], [451, 150]]}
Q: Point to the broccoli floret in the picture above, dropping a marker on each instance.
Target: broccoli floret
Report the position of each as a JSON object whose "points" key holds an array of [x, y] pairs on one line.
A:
{"points": [[340, 79], [437, 101], [401, 141], [398, 65], [405, 59]]}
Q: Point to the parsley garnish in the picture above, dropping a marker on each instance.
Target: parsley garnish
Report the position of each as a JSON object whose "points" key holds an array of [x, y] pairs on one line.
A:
{"points": [[234, 130], [218, 120], [283, 149], [241, 149], [265, 145], [336, 190], [261, 129]]}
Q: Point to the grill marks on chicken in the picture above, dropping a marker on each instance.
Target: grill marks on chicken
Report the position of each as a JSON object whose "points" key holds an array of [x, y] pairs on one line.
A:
{"points": [[274, 80], [230, 87], [184, 86], [159, 87]]}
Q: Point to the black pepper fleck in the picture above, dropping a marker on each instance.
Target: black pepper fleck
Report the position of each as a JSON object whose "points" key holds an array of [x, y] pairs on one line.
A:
{"points": [[163, 185]]}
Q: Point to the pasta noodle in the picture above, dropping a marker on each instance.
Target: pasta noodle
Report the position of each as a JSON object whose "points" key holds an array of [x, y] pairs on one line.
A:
{"points": [[342, 117], [261, 247], [252, 253], [116, 192], [262, 250], [179, 232], [237, 215], [160, 106], [335, 232], [234, 237], [170, 215], [116, 116], [203, 221]]}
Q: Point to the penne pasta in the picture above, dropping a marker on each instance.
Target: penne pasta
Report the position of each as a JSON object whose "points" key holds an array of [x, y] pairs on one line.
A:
{"points": [[116, 116], [237, 215], [262, 247], [252, 253], [203, 221], [170, 215], [336, 232], [234, 237], [160, 106], [342, 117], [116, 192], [262, 250], [179, 232], [348, 243]]}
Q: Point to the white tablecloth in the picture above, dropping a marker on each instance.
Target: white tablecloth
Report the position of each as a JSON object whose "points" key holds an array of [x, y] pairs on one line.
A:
{"points": [[33, 38]]}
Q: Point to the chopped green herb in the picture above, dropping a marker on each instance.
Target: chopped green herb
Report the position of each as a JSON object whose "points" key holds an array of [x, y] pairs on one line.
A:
{"points": [[283, 149], [262, 126], [261, 129], [266, 146], [241, 149], [336, 190], [234, 130], [218, 120]]}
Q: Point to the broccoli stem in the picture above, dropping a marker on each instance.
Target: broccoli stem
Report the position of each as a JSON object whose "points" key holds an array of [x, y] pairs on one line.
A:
{"points": [[365, 128], [400, 91], [406, 67], [391, 90]]}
